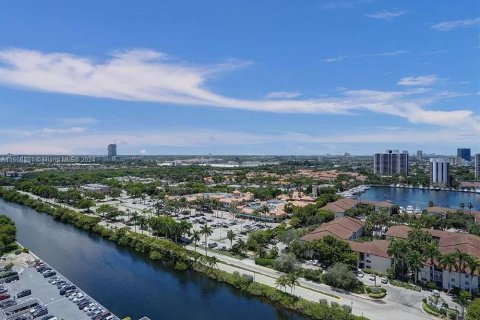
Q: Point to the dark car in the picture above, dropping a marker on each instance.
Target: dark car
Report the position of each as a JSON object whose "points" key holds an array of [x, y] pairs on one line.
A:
{"points": [[49, 274], [12, 279], [40, 312], [24, 293], [65, 289], [50, 316]]}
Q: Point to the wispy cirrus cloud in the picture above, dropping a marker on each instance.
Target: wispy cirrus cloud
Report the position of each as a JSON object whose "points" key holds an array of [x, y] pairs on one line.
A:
{"points": [[368, 55], [386, 15], [282, 95], [419, 81], [150, 76], [63, 130], [454, 24]]}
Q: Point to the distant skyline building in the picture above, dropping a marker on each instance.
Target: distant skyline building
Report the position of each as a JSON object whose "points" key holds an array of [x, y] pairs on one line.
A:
{"points": [[464, 153], [440, 172], [392, 162], [419, 154], [112, 150], [477, 166]]}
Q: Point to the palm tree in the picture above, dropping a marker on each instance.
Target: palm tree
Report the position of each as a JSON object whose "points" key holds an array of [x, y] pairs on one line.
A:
{"points": [[414, 261], [292, 280], [142, 222], [432, 252], [135, 220], [470, 207], [397, 249], [212, 261], [460, 265], [282, 282], [195, 237], [447, 262], [206, 231], [241, 245], [265, 210], [231, 237], [473, 264]]}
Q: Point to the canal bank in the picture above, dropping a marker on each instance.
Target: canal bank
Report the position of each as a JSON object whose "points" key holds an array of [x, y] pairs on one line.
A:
{"points": [[129, 284]]}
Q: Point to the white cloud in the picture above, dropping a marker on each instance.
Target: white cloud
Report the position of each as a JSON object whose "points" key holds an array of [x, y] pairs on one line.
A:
{"points": [[145, 75], [282, 95], [450, 25], [335, 59], [419, 81], [387, 53], [380, 54], [386, 15], [63, 130]]}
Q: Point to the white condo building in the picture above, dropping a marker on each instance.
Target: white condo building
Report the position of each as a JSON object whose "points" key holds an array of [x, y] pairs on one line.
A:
{"points": [[440, 172]]}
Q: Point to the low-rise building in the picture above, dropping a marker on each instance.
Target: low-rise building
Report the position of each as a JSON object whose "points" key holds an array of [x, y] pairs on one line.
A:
{"points": [[372, 255], [340, 206], [345, 228], [447, 276], [96, 188]]}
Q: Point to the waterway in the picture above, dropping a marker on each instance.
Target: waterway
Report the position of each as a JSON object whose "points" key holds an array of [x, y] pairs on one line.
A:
{"points": [[129, 284], [420, 198]]}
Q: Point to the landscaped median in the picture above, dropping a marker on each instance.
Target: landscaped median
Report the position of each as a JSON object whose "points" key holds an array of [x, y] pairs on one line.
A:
{"points": [[376, 292], [175, 255]]}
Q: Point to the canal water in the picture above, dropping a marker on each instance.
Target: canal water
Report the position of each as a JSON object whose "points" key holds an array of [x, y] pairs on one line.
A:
{"points": [[419, 198], [128, 284]]}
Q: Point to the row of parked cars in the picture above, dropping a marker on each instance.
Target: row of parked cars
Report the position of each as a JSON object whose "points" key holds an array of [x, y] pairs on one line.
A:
{"points": [[72, 293]]}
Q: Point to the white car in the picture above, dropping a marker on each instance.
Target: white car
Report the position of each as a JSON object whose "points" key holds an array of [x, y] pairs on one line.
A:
{"points": [[372, 277], [384, 280]]}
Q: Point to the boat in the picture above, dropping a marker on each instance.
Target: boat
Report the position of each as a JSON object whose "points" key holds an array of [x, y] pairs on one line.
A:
{"points": [[477, 190], [409, 209], [392, 186], [432, 188]]}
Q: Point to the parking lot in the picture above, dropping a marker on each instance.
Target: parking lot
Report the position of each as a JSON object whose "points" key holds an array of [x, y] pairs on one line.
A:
{"points": [[47, 294], [220, 221]]}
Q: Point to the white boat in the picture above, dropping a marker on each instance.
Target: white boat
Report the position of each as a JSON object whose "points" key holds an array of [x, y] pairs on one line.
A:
{"points": [[477, 190], [409, 209], [417, 211]]}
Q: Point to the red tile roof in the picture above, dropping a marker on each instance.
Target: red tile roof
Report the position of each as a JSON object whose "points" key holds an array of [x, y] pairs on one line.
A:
{"points": [[376, 247], [448, 241], [342, 228]]}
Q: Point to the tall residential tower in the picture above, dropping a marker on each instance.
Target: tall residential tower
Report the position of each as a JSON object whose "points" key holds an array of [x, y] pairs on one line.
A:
{"points": [[112, 150], [440, 172], [392, 162]]}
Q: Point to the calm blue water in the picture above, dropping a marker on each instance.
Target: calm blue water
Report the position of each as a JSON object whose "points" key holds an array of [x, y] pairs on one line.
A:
{"points": [[420, 198], [128, 284]]}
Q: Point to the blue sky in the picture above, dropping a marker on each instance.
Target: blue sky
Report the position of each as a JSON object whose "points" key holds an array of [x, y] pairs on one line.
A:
{"points": [[239, 77]]}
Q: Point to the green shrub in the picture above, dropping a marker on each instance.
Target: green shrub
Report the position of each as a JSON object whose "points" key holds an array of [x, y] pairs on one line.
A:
{"points": [[264, 262]]}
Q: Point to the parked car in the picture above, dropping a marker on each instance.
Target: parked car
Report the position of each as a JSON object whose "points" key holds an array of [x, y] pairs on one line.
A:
{"points": [[14, 278], [384, 280], [212, 245], [4, 296], [372, 277], [24, 293]]}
